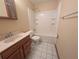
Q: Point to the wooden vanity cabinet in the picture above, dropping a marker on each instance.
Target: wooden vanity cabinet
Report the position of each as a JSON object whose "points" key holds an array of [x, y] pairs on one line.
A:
{"points": [[20, 50], [15, 55]]}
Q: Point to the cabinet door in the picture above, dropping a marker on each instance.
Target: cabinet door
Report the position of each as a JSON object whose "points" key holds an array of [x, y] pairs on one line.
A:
{"points": [[22, 53], [27, 47], [15, 55]]}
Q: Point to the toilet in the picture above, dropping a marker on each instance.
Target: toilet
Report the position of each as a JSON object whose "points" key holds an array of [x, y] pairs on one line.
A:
{"points": [[35, 39]]}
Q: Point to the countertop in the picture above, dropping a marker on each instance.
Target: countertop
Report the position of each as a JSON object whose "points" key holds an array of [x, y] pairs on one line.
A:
{"points": [[6, 43]]}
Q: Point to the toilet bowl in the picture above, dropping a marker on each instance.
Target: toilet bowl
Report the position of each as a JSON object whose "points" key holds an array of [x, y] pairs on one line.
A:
{"points": [[35, 39]]}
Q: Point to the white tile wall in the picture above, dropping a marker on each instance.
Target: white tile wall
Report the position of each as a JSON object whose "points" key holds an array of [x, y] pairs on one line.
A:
{"points": [[46, 23]]}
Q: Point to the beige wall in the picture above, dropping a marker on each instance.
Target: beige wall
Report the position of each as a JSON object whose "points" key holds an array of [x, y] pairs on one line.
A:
{"points": [[67, 30], [21, 24], [50, 5], [68, 6]]}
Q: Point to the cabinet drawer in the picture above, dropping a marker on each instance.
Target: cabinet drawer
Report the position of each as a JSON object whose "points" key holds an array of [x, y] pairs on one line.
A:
{"points": [[5, 54]]}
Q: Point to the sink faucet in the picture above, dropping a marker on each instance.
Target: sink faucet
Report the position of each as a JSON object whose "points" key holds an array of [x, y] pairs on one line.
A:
{"points": [[8, 35]]}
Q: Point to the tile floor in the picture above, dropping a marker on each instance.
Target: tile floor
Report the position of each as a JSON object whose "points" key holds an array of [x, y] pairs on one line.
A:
{"points": [[43, 51]]}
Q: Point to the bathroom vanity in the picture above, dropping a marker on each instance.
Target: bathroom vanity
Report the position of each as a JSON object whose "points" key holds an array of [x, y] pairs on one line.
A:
{"points": [[19, 48]]}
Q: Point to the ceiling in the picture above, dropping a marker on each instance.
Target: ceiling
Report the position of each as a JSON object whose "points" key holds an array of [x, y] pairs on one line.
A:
{"points": [[39, 1]]}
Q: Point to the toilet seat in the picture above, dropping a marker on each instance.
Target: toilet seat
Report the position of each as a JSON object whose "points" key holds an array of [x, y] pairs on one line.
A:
{"points": [[35, 38]]}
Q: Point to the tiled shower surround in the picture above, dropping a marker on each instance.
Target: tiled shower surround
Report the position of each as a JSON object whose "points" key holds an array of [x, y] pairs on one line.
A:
{"points": [[43, 50]]}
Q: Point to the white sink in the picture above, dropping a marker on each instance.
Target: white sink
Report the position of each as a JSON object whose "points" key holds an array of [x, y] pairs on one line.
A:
{"points": [[12, 38]]}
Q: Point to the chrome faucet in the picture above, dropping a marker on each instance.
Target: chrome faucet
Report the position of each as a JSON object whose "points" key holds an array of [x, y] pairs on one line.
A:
{"points": [[9, 35]]}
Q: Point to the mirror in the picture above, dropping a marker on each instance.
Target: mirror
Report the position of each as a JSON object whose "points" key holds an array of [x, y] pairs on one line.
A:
{"points": [[7, 9]]}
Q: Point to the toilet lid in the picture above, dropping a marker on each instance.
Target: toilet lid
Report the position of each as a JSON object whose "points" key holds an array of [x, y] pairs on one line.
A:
{"points": [[35, 37]]}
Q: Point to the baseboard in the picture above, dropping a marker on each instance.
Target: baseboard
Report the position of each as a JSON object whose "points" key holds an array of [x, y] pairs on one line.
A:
{"points": [[49, 35], [57, 52]]}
